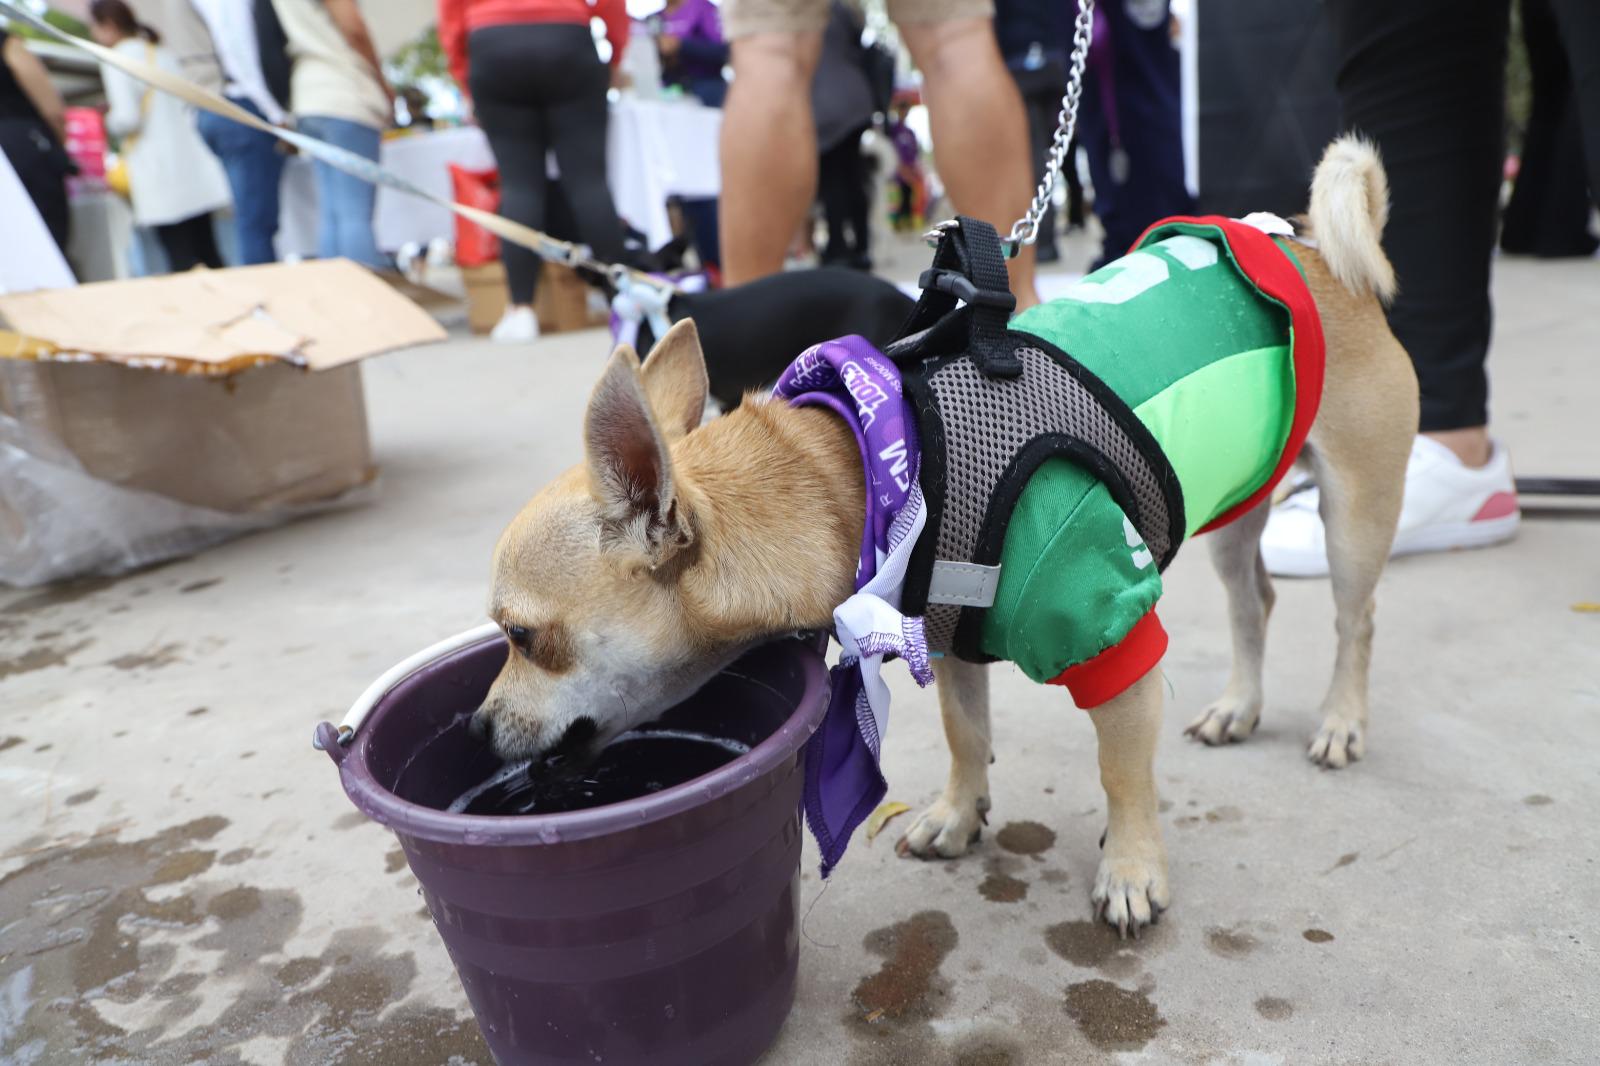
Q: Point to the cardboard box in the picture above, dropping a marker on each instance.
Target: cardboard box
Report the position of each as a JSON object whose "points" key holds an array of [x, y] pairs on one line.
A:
{"points": [[560, 302], [188, 399], [486, 295]]}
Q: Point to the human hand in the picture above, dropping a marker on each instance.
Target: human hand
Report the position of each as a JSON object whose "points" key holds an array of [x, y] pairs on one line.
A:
{"points": [[669, 45]]}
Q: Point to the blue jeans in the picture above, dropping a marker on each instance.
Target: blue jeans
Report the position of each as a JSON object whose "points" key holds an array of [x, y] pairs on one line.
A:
{"points": [[254, 166], [345, 203]]}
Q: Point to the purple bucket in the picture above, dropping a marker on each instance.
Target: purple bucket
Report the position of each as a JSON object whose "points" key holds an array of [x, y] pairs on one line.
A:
{"points": [[660, 930]]}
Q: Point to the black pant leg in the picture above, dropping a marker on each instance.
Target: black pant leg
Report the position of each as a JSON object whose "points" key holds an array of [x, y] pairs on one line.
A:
{"points": [[577, 131], [1580, 31], [513, 122], [189, 243], [1425, 79]]}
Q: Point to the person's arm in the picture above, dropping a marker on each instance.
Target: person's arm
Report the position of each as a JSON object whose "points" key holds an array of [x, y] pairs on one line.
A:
{"points": [[346, 16], [453, 40], [614, 13], [35, 81]]}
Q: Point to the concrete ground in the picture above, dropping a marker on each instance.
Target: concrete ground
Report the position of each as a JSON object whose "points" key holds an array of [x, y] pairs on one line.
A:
{"points": [[182, 880]]}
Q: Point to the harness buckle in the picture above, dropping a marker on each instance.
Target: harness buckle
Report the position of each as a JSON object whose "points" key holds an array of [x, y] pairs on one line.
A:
{"points": [[961, 287]]}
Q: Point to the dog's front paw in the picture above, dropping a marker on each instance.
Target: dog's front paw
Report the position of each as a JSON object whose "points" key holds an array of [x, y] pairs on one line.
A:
{"points": [[1130, 888], [1338, 743], [1227, 720], [945, 830]]}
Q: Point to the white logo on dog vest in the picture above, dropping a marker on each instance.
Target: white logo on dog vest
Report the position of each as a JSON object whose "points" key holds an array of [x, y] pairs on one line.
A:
{"points": [[1141, 555]]}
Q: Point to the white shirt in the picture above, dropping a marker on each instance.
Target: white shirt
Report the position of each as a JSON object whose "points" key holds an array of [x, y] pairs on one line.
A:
{"points": [[171, 173], [329, 78], [233, 37]]}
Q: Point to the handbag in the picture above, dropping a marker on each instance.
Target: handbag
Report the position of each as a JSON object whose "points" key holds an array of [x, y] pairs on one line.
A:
{"points": [[117, 173]]}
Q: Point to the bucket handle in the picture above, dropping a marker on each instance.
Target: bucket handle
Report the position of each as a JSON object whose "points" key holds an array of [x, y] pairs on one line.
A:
{"points": [[333, 741]]}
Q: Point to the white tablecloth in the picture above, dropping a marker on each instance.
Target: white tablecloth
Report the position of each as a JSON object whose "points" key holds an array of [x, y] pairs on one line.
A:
{"points": [[654, 149]]}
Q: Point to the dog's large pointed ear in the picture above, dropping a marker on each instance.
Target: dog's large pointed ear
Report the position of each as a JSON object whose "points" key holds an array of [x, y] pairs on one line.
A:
{"points": [[630, 467], [675, 379]]}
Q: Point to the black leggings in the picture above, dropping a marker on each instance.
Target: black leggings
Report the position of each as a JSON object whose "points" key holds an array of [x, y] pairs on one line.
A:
{"points": [[539, 86], [189, 244], [1425, 79], [846, 203]]}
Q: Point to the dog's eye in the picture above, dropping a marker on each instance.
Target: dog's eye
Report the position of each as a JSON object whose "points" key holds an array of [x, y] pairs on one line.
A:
{"points": [[519, 636]]}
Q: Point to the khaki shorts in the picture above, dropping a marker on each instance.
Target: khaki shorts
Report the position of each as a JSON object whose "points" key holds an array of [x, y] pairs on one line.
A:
{"points": [[740, 18]]}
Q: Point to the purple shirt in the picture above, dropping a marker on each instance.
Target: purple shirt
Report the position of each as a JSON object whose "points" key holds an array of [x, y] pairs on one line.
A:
{"points": [[695, 22]]}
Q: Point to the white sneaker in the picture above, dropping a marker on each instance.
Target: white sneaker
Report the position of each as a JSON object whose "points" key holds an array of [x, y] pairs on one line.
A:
{"points": [[518, 325], [1447, 505]]}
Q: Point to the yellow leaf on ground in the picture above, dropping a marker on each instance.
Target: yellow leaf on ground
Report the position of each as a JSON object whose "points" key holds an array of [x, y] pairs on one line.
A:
{"points": [[880, 817], [1587, 608]]}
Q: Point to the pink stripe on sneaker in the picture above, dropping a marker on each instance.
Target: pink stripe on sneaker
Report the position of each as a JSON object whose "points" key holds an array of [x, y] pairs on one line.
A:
{"points": [[1499, 505]]}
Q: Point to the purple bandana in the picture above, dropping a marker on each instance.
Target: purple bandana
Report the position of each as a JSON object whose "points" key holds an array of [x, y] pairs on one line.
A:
{"points": [[843, 781]]}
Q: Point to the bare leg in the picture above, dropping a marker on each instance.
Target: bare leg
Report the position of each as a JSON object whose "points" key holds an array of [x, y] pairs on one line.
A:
{"points": [[769, 151], [1470, 445], [1360, 503], [980, 131], [1236, 553], [946, 829], [1130, 888]]}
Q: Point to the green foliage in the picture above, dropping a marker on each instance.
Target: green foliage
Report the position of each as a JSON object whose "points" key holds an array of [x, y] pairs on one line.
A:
{"points": [[418, 60], [59, 19]]}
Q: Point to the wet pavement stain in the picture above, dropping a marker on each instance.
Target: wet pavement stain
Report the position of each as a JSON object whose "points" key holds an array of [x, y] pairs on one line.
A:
{"points": [[1000, 885], [1052, 876], [105, 922], [11, 742], [197, 712], [908, 984], [1317, 936], [80, 798], [39, 659], [154, 659], [1344, 860], [1095, 945], [1230, 943], [1026, 838], [394, 861], [1538, 799], [1274, 1009], [59, 595], [1225, 814], [199, 586], [1113, 1018]]}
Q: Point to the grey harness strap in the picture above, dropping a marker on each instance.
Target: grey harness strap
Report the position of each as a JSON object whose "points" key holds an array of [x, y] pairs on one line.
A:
{"points": [[989, 424]]}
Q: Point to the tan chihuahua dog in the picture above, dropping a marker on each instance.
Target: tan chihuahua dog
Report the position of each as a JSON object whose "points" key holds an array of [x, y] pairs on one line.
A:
{"points": [[633, 578]]}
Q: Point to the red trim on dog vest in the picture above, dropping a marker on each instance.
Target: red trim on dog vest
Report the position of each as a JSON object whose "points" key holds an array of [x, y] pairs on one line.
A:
{"points": [[1109, 674], [1272, 271]]}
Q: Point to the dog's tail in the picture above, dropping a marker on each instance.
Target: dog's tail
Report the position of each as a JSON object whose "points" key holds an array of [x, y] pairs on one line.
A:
{"points": [[1349, 206]]}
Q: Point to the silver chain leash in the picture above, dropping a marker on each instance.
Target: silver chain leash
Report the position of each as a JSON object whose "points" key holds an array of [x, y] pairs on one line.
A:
{"points": [[1026, 229]]}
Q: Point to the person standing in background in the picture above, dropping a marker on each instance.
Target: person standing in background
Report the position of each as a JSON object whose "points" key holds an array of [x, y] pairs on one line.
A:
{"points": [[174, 180], [693, 54], [251, 158], [338, 94], [1036, 40], [980, 135], [1130, 123], [537, 84], [33, 133], [842, 108]]}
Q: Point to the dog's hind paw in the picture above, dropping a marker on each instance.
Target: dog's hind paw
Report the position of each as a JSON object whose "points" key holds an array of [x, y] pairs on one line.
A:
{"points": [[1228, 720], [1130, 891], [1337, 744], [945, 830]]}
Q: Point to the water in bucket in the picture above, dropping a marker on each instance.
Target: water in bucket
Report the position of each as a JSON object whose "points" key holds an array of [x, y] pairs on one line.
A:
{"points": [[633, 765]]}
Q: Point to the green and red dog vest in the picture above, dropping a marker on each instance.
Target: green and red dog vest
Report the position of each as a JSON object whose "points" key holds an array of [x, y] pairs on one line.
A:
{"points": [[1205, 346]]}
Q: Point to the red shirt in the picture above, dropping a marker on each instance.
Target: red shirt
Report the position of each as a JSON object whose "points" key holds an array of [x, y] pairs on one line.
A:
{"points": [[457, 18]]}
